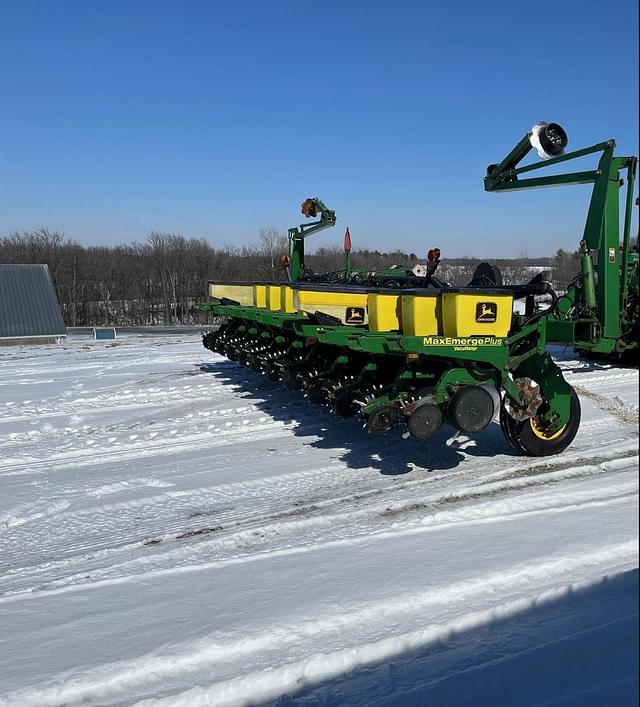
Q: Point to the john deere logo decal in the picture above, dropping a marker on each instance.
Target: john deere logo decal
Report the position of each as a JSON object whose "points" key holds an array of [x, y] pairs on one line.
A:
{"points": [[354, 315], [486, 312]]}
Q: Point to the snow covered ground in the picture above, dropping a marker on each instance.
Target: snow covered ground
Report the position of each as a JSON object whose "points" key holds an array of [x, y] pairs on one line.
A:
{"points": [[177, 530]]}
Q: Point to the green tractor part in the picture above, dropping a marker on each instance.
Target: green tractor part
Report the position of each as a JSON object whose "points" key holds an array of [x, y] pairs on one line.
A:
{"points": [[599, 313], [311, 208], [401, 348], [296, 270]]}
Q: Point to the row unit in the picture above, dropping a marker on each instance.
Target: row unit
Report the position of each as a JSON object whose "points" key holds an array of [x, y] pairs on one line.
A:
{"points": [[451, 312]]}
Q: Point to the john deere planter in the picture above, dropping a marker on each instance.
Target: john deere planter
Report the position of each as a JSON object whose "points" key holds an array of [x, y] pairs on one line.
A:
{"points": [[402, 348]]}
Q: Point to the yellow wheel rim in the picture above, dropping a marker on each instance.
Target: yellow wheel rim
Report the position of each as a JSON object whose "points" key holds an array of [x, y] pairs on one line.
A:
{"points": [[541, 432]]}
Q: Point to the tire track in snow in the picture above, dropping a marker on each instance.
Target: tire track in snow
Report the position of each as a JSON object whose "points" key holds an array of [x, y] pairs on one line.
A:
{"points": [[311, 534], [250, 529], [82, 457], [328, 644], [260, 489], [327, 512], [617, 407], [596, 377], [298, 514], [106, 402]]}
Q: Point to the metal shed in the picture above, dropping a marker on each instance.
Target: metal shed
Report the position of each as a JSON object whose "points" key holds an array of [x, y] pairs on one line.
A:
{"points": [[29, 309]]}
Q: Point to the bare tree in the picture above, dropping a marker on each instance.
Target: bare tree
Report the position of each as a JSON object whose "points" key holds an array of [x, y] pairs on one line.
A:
{"points": [[273, 245], [159, 281]]}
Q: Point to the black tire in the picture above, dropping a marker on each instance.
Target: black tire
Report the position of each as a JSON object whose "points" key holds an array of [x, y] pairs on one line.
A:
{"points": [[382, 420], [425, 421], [524, 437], [471, 409], [507, 427]]}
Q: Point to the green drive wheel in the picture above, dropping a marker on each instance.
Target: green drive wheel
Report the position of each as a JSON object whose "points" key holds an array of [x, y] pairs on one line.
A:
{"points": [[532, 438]]}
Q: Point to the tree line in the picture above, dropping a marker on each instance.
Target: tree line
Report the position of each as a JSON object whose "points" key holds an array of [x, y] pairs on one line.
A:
{"points": [[160, 280]]}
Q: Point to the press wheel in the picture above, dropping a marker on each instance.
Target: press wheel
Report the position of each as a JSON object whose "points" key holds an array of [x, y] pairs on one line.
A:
{"points": [[380, 421]]}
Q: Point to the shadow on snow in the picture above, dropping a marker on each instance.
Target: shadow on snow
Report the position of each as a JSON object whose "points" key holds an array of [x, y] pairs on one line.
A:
{"points": [[390, 454], [577, 651]]}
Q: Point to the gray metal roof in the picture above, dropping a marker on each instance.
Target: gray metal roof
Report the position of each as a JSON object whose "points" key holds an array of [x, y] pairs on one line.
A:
{"points": [[28, 303]]}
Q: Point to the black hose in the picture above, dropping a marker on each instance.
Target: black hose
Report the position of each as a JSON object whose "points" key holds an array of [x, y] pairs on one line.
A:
{"points": [[543, 312]]}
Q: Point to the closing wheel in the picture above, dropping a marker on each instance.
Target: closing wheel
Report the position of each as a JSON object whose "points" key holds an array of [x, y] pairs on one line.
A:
{"points": [[231, 352], [425, 421], [291, 378], [344, 404], [317, 394], [471, 409], [210, 340], [534, 438], [253, 361], [272, 372], [380, 421]]}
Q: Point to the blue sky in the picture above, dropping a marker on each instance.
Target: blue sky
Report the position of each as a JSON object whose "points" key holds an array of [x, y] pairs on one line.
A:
{"points": [[216, 118]]}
